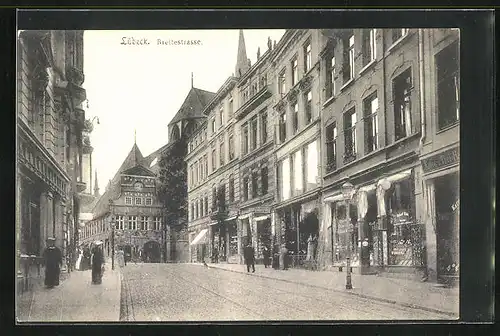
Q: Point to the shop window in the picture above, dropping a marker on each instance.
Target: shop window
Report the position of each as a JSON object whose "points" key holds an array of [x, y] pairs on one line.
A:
{"points": [[284, 178], [405, 236], [311, 165], [295, 119], [350, 135], [370, 106], [448, 85], [348, 61], [402, 89], [369, 46], [298, 177], [331, 147]]}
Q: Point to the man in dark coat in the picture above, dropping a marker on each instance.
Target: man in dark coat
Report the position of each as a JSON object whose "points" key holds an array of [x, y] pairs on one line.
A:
{"points": [[249, 255], [97, 262], [266, 253], [53, 261]]}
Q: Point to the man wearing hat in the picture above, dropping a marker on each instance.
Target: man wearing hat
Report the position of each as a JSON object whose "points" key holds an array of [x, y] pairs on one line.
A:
{"points": [[53, 261]]}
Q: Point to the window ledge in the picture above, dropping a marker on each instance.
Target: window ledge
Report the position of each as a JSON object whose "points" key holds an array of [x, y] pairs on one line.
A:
{"points": [[447, 128], [329, 101], [367, 66], [347, 84], [398, 42]]}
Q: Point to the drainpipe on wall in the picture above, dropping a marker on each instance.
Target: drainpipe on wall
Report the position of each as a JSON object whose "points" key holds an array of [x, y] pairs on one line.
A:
{"points": [[421, 84]]}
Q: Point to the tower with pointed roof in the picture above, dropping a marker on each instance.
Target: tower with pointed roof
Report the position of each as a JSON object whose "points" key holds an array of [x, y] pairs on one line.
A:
{"points": [[242, 61]]}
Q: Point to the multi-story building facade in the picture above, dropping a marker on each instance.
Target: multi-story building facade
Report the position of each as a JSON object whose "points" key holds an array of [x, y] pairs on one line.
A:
{"points": [[130, 204], [440, 154], [213, 178], [375, 110], [49, 143], [297, 149], [256, 159], [376, 83]]}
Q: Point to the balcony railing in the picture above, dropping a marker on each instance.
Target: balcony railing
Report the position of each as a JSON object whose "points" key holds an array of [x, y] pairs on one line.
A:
{"points": [[350, 157], [219, 212], [331, 166]]}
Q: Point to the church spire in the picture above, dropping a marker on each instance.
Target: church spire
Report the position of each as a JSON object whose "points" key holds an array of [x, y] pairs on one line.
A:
{"points": [[135, 136], [242, 62], [192, 80], [96, 186]]}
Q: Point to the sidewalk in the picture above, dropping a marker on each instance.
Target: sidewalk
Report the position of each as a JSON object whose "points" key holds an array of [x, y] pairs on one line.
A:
{"points": [[75, 299], [413, 294]]}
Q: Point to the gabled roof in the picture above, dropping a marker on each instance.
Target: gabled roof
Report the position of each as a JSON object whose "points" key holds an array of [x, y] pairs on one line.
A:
{"points": [[133, 160], [138, 170], [193, 105]]}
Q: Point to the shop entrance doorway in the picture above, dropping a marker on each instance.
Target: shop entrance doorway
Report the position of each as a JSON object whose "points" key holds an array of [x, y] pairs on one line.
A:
{"points": [[447, 225]]}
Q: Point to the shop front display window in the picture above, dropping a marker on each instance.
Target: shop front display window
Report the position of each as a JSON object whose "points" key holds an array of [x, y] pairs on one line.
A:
{"points": [[405, 235]]}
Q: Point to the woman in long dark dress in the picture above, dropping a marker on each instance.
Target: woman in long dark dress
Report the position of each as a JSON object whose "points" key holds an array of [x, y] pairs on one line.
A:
{"points": [[53, 262], [97, 262]]}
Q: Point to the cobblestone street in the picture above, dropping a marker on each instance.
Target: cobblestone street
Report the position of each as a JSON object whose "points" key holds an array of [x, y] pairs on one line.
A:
{"points": [[189, 292]]}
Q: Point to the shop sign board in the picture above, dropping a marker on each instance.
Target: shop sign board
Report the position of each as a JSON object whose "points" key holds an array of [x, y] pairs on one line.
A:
{"points": [[441, 160]]}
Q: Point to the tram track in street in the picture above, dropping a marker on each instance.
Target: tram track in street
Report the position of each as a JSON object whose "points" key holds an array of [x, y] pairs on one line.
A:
{"points": [[336, 303]]}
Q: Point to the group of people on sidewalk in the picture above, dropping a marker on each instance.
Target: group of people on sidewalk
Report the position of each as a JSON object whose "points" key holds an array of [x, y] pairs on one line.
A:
{"points": [[53, 261]]}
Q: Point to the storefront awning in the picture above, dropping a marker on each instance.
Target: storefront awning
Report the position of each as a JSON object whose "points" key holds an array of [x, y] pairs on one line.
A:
{"points": [[334, 198], [245, 216], [261, 218], [200, 238], [399, 176]]}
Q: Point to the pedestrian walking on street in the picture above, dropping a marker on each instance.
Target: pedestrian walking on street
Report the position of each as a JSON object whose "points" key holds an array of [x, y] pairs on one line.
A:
{"points": [[283, 255], [53, 261], [249, 255], [97, 264], [266, 253]]}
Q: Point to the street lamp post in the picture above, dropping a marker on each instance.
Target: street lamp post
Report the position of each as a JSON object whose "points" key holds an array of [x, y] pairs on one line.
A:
{"points": [[112, 234], [347, 192]]}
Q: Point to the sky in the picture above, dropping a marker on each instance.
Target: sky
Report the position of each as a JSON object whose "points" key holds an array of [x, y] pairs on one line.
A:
{"points": [[139, 88]]}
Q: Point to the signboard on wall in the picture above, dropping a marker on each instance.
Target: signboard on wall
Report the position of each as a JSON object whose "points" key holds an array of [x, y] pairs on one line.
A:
{"points": [[441, 160]]}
